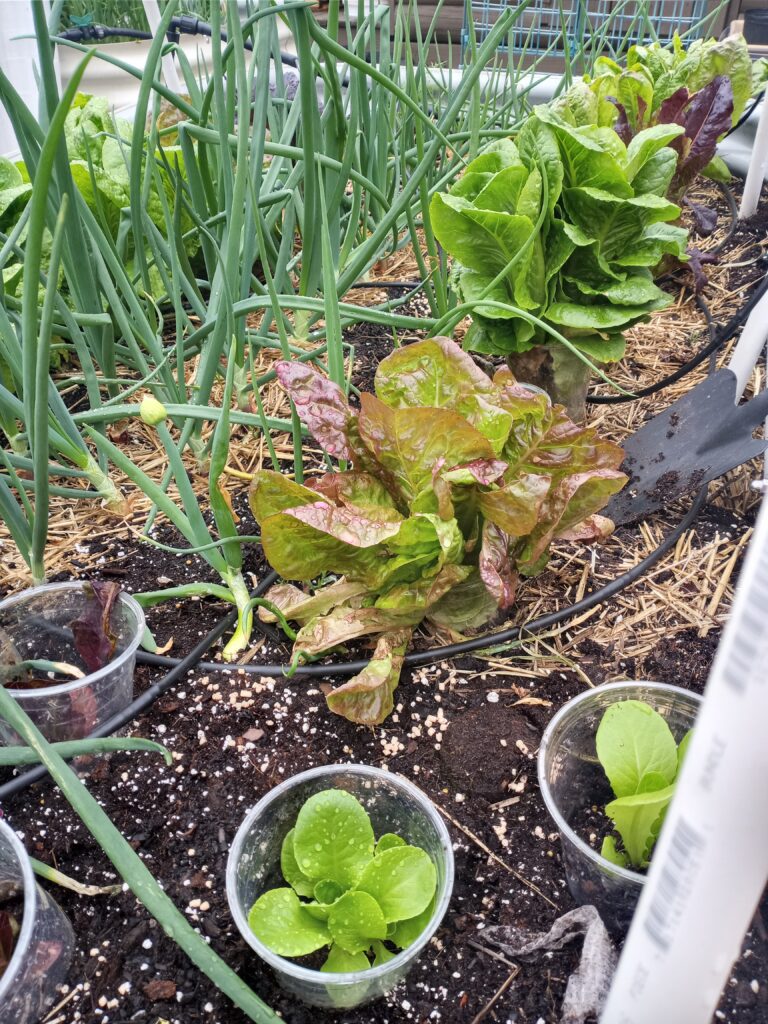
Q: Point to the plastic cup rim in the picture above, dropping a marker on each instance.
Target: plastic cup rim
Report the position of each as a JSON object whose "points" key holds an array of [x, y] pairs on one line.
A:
{"points": [[554, 811], [405, 956], [130, 650], [29, 916]]}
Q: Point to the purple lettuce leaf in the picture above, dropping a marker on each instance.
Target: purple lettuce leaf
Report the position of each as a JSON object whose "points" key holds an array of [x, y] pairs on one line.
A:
{"points": [[673, 109], [704, 217], [621, 125], [93, 637], [706, 118], [695, 263]]}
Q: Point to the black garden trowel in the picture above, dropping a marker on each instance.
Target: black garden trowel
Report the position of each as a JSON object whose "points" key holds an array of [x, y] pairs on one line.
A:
{"points": [[700, 436]]}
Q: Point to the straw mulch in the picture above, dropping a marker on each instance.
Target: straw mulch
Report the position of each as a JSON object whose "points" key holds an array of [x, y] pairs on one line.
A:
{"points": [[688, 592]]}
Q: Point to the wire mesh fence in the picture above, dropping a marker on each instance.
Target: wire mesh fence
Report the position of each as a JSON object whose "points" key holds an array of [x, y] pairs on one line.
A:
{"points": [[548, 27]]}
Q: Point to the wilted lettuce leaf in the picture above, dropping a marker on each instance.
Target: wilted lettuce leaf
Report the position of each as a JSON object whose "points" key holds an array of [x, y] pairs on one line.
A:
{"points": [[367, 698], [466, 480]]}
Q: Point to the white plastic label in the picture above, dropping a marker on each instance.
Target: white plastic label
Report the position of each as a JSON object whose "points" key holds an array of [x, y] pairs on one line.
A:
{"points": [[710, 864]]}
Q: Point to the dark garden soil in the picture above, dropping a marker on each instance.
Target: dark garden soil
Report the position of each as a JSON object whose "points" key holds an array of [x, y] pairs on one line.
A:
{"points": [[465, 733]]}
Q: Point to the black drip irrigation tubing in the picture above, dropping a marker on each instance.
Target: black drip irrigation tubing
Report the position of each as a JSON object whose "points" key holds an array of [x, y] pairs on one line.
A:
{"points": [[184, 24]]}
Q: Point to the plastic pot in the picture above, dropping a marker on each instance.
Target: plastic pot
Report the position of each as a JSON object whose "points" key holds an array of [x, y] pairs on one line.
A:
{"points": [[43, 949], [557, 371], [37, 623], [394, 805], [571, 779]]}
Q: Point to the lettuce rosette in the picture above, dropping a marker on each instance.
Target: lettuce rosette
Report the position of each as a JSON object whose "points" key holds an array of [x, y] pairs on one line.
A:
{"points": [[458, 486], [555, 236]]}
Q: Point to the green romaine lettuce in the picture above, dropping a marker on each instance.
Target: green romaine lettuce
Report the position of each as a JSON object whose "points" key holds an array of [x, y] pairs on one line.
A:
{"points": [[565, 231]]}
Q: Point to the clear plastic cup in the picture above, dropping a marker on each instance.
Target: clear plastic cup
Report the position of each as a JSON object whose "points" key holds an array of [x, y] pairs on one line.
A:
{"points": [[37, 622], [43, 949], [394, 805], [571, 779]]}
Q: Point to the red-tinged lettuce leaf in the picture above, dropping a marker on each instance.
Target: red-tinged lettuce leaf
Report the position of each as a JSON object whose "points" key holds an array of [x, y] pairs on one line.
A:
{"points": [[93, 637], [367, 699], [707, 117], [576, 498], [300, 607], [438, 373], [592, 528], [515, 506], [343, 624], [362, 490], [322, 406], [272, 492], [495, 567], [306, 541], [9, 929], [409, 443], [357, 527], [481, 471], [468, 605]]}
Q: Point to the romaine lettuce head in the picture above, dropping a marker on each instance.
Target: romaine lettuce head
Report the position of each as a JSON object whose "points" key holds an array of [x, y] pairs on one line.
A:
{"points": [[555, 235]]}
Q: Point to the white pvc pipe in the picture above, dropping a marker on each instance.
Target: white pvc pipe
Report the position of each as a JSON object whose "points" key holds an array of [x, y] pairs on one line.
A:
{"points": [[757, 165], [170, 74]]}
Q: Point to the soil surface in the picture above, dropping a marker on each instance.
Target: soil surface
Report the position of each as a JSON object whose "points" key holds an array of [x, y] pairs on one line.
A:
{"points": [[467, 734]]}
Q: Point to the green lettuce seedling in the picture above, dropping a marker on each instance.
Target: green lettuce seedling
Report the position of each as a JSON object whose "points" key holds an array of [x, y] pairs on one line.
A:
{"points": [[641, 759], [362, 898]]}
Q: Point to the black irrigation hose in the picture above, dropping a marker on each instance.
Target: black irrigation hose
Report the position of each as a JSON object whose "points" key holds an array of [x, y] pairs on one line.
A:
{"points": [[179, 668], [183, 24]]}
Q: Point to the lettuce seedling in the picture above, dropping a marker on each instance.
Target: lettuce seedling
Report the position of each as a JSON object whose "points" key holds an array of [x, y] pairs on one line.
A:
{"points": [[641, 759], [458, 485], [359, 897]]}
